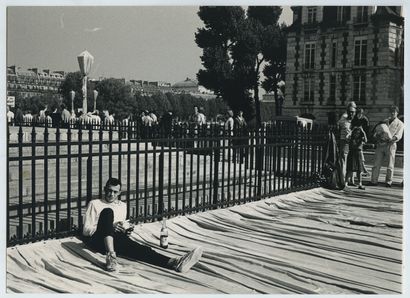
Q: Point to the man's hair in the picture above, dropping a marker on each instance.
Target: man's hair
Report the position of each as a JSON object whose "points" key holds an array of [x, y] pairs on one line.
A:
{"points": [[359, 110], [113, 181], [394, 108]]}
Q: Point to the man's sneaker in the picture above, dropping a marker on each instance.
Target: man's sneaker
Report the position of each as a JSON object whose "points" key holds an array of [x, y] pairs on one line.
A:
{"points": [[184, 263], [111, 261]]}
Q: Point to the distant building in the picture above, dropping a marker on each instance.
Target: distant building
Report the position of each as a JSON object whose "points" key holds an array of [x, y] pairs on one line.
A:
{"points": [[337, 54], [149, 88], [191, 87], [186, 86], [33, 81]]}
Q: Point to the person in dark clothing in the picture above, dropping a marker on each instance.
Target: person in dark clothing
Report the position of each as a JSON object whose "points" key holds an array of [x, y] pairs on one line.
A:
{"points": [[18, 117], [360, 120], [166, 123], [56, 118], [354, 157]]}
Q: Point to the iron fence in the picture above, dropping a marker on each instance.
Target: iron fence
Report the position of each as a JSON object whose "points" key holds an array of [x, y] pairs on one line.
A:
{"points": [[52, 173]]}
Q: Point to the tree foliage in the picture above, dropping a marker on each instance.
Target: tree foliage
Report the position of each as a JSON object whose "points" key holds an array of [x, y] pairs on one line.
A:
{"points": [[72, 82], [237, 45], [117, 97], [36, 103]]}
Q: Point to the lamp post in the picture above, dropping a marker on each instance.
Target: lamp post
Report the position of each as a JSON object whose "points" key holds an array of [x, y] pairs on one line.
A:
{"points": [[85, 60], [72, 96], [95, 92]]}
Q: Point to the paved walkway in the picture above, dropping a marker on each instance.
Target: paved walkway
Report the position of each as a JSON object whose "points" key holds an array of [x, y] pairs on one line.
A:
{"points": [[318, 241]]}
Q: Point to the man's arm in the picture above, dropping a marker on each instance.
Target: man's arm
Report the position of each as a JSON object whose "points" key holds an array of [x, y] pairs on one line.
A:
{"points": [[398, 133]]}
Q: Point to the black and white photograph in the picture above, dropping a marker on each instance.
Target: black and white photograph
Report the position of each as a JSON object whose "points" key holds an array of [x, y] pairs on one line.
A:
{"points": [[203, 148]]}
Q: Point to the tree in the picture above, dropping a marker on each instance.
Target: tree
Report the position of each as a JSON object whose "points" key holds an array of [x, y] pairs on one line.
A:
{"points": [[72, 82], [236, 47], [116, 97], [221, 72]]}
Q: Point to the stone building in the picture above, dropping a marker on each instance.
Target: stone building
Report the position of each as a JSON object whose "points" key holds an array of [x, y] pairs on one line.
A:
{"points": [[337, 54], [33, 81]]}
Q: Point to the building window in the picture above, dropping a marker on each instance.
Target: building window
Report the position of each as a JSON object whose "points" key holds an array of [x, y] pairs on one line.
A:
{"points": [[311, 14], [362, 14], [332, 89], [334, 54], [360, 52], [310, 55], [359, 88], [309, 89], [343, 14]]}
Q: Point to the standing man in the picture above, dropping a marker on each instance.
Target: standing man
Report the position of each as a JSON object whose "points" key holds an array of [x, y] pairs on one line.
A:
{"points": [[10, 116], [344, 126], [388, 148], [201, 116]]}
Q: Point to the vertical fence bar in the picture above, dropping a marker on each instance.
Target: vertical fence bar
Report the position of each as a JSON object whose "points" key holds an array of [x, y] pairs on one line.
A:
{"points": [[110, 132], [20, 206], [289, 151], [177, 207], [225, 146], [137, 177], [33, 182], [154, 165], [145, 180], [90, 165], [119, 136], [230, 157], [184, 178], [58, 203], [211, 144], [161, 183], [79, 161], [170, 176], [69, 157], [197, 170], [234, 168], [100, 160], [128, 168], [46, 205]]}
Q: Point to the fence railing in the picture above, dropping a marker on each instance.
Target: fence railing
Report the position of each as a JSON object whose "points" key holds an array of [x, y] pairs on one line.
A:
{"points": [[52, 173]]}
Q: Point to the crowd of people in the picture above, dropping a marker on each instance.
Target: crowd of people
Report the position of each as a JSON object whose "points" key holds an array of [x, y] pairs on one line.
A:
{"points": [[354, 132]]}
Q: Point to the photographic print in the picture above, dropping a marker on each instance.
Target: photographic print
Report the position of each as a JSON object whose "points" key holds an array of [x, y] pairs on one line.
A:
{"points": [[199, 149]]}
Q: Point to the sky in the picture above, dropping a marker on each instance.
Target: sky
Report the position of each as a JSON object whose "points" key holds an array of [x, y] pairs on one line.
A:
{"points": [[154, 43]]}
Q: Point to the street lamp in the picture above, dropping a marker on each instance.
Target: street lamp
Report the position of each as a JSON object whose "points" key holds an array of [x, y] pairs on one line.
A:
{"points": [[72, 96], [95, 92], [85, 60]]}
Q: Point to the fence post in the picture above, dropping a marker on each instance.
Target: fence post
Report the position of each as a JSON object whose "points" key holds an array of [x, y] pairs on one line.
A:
{"points": [[259, 159], [161, 183], [215, 178], [90, 165]]}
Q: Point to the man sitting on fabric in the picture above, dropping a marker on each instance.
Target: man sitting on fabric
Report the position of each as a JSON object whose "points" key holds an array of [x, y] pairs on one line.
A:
{"points": [[106, 230]]}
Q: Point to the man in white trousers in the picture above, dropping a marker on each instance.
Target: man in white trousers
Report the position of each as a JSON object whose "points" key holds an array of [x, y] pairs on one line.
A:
{"points": [[387, 149]]}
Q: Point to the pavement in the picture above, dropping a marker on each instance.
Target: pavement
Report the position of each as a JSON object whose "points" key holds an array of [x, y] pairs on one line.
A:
{"points": [[310, 242]]}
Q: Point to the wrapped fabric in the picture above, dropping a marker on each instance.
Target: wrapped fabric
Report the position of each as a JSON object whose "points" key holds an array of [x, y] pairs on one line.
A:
{"points": [[382, 133]]}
